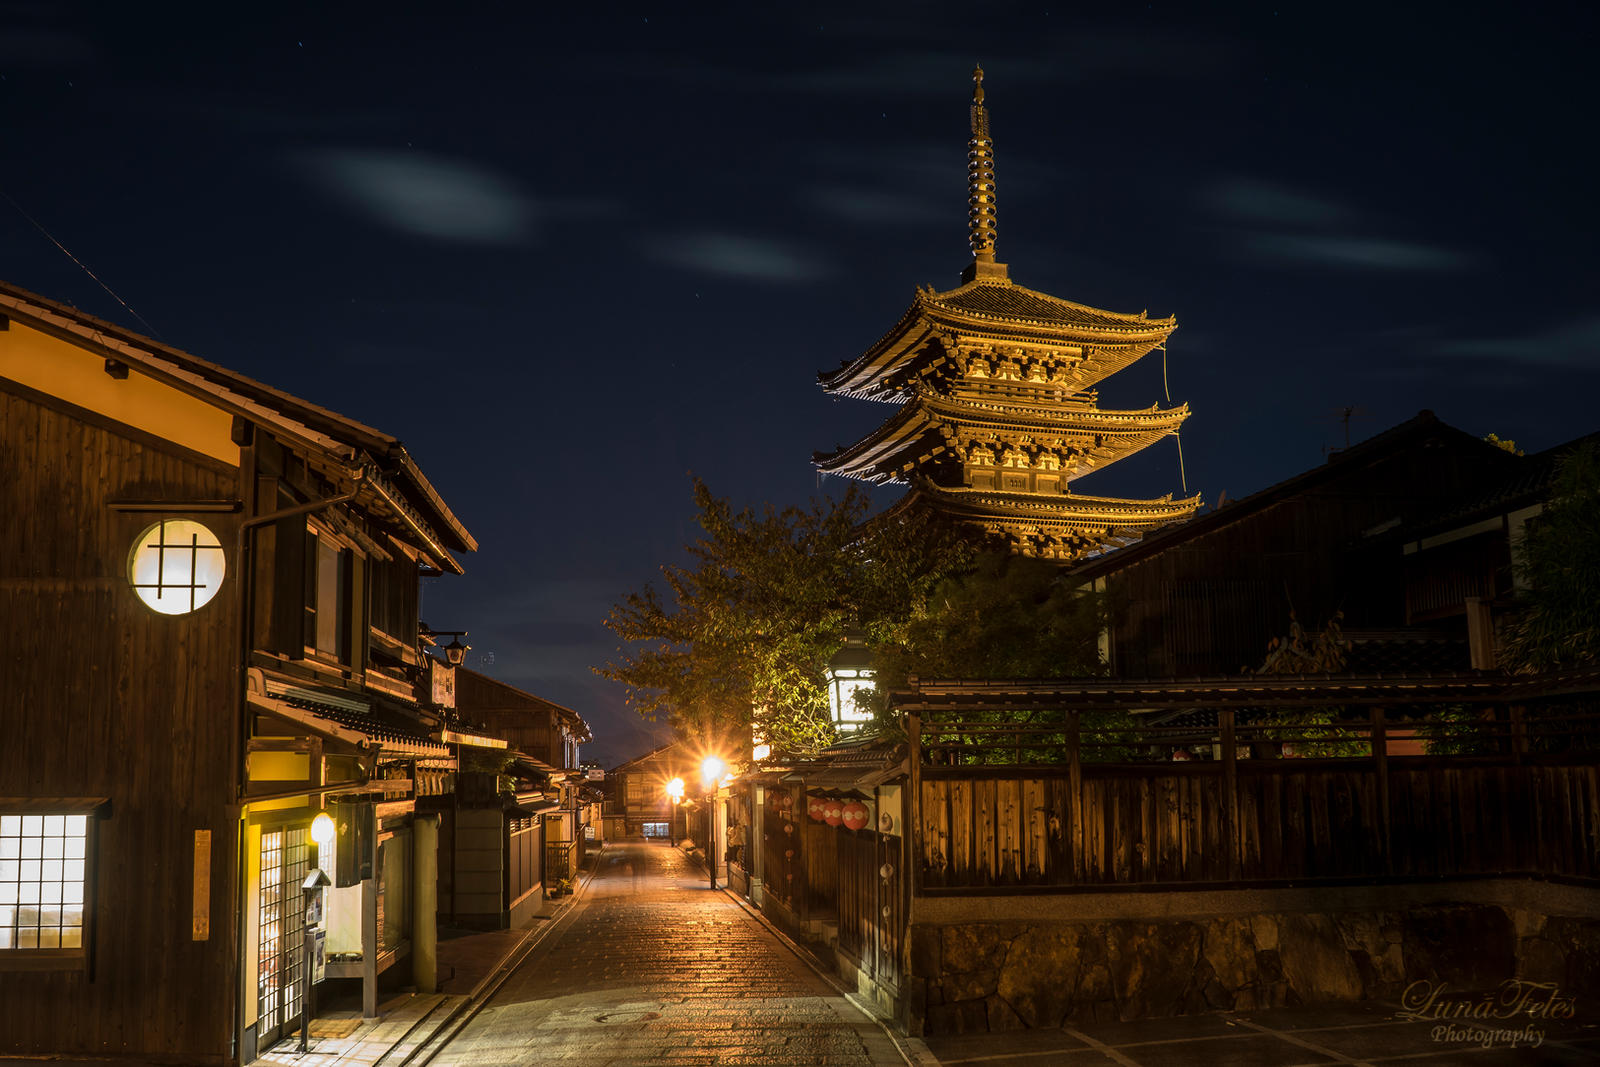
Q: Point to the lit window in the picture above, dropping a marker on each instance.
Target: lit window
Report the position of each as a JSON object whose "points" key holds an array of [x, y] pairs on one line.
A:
{"points": [[176, 566], [42, 876]]}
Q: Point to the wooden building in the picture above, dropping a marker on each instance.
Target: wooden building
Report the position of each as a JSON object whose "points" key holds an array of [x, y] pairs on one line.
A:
{"points": [[996, 404], [1207, 596], [514, 831], [639, 803], [208, 632]]}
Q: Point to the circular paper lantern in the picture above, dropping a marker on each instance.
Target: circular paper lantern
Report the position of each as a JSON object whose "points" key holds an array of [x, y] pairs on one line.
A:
{"points": [[855, 815], [833, 811], [814, 808]]}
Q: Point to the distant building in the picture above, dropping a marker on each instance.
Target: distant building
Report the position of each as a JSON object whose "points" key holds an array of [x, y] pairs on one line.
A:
{"points": [[1205, 597], [996, 411]]}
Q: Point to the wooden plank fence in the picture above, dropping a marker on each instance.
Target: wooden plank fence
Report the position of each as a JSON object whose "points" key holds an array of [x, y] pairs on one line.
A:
{"points": [[1501, 796]]}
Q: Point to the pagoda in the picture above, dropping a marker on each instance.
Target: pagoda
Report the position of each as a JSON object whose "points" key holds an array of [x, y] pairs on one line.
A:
{"points": [[995, 389]]}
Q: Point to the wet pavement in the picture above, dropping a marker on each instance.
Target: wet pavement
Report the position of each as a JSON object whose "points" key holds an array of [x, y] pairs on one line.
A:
{"points": [[652, 967]]}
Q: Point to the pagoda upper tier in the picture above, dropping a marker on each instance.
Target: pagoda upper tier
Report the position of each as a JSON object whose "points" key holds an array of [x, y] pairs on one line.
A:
{"points": [[1028, 335], [997, 408]]}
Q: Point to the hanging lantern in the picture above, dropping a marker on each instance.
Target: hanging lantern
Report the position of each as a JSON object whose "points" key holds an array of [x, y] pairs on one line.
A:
{"points": [[854, 814], [814, 807], [833, 811]]}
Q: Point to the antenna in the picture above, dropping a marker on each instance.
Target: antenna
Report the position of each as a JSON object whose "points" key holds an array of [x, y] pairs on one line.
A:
{"points": [[1345, 416]]}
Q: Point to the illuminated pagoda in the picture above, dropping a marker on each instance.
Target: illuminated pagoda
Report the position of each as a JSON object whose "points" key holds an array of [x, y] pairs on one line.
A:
{"points": [[997, 407]]}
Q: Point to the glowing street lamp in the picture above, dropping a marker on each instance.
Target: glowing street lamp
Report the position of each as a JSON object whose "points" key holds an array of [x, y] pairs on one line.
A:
{"points": [[711, 770]]}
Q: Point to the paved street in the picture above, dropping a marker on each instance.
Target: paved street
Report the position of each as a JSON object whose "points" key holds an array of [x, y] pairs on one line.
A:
{"points": [[651, 967]]}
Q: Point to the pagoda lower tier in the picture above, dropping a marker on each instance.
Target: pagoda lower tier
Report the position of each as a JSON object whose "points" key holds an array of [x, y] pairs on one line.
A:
{"points": [[998, 442], [1056, 526]]}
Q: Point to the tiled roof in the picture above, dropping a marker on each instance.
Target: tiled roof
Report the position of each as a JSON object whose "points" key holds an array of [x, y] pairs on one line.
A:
{"points": [[1016, 302], [1412, 652], [383, 728]]}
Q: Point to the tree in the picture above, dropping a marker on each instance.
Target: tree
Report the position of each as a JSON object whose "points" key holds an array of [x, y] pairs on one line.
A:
{"points": [[1558, 624], [744, 633]]}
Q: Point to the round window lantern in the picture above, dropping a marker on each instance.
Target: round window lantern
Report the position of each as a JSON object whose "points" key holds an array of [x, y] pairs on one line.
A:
{"points": [[176, 566]]}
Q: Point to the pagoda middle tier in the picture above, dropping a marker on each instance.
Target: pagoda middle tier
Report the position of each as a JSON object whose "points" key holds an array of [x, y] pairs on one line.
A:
{"points": [[998, 412]]}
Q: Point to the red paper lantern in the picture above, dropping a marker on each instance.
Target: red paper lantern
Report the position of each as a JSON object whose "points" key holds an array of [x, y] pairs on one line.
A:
{"points": [[833, 811], [855, 815], [814, 808]]}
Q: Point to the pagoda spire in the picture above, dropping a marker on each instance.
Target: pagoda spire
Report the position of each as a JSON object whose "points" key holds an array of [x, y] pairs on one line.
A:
{"points": [[981, 230]]}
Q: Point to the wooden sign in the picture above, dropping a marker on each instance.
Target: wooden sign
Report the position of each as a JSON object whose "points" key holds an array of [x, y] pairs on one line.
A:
{"points": [[443, 678], [202, 886]]}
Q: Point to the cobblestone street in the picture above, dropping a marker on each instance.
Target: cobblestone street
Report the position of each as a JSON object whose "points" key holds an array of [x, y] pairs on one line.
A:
{"points": [[651, 967]]}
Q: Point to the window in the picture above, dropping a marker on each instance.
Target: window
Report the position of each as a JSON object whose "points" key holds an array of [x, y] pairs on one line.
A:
{"points": [[176, 566], [327, 597], [43, 869]]}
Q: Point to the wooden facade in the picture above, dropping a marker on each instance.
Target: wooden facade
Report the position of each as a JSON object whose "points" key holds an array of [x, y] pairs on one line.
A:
{"points": [[1207, 597], [192, 722]]}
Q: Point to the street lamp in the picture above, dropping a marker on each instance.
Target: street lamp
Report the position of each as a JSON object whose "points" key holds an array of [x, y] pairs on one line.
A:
{"points": [[849, 672], [711, 771], [323, 833], [675, 791]]}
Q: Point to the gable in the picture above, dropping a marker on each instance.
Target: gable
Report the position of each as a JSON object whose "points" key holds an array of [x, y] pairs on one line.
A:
{"points": [[63, 370]]}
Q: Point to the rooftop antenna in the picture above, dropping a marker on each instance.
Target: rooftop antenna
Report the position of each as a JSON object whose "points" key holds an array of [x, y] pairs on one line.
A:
{"points": [[1344, 415]]}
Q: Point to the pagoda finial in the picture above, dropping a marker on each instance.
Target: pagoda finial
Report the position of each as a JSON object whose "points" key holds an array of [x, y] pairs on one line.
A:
{"points": [[980, 178]]}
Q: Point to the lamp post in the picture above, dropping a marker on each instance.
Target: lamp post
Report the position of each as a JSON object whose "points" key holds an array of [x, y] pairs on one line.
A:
{"points": [[849, 671], [322, 832], [675, 791], [711, 770]]}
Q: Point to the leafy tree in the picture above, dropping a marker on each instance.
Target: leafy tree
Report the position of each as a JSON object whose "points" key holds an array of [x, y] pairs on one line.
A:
{"points": [[744, 633], [1311, 732], [1558, 624]]}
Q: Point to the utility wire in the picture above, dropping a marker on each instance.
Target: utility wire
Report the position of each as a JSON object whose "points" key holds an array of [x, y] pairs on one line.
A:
{"points": [[81, 265]]}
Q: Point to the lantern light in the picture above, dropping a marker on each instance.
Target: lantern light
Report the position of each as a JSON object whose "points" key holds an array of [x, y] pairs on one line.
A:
{"points": [[849, 672], [322, 829]]}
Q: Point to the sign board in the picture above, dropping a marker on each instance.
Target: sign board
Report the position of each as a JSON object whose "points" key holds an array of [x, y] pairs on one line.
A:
{"points": [[201, 930], [444, 683], [319, 956]]}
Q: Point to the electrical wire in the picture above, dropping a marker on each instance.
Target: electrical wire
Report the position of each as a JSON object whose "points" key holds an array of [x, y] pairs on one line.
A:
{"points": [[81, 265]]}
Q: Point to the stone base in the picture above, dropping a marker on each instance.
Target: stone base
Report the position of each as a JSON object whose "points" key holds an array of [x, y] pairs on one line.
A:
{"points": [[980, 976]]}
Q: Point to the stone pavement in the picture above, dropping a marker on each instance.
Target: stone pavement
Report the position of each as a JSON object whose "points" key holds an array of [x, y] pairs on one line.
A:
{"points": [[651, 967], [1362, 1033]]}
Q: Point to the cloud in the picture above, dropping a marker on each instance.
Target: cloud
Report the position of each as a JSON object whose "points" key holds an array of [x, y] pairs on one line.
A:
{"points": [[43, 49], [732, 255], [1265, 202], [872, 207], [1291, 226], [1361, 252], [1574, 344], [427, 196]]}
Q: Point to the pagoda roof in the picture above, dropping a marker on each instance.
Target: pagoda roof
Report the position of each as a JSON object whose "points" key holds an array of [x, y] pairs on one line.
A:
{"points": [[925, 416], [996, 309], [1059, 512]]}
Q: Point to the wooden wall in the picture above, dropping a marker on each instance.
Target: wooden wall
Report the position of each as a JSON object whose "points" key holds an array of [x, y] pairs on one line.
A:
{"points": [[1210, 603], [103, 697], [1281, 821]]}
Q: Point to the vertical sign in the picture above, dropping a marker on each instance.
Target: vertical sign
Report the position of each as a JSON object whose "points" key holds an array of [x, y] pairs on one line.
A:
{"points": [[202, 886], [443, 677]]}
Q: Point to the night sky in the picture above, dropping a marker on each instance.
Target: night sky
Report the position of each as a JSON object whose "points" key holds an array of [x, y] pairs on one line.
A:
{"points": [[570, 259]]}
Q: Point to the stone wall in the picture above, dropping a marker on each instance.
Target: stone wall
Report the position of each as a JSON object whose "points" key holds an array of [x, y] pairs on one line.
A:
{"points": [[1038, 972]]}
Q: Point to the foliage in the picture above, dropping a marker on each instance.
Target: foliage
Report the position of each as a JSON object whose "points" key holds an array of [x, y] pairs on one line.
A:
{"points": [[744, 632], [1316, 733], [1503, 443], [1558, 625]]}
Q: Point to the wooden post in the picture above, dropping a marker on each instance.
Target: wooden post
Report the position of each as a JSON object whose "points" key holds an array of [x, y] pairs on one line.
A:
{"points": [[1230, 794], [1519, 734], [1380, 760], [1075, 795], [915, 834]]}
